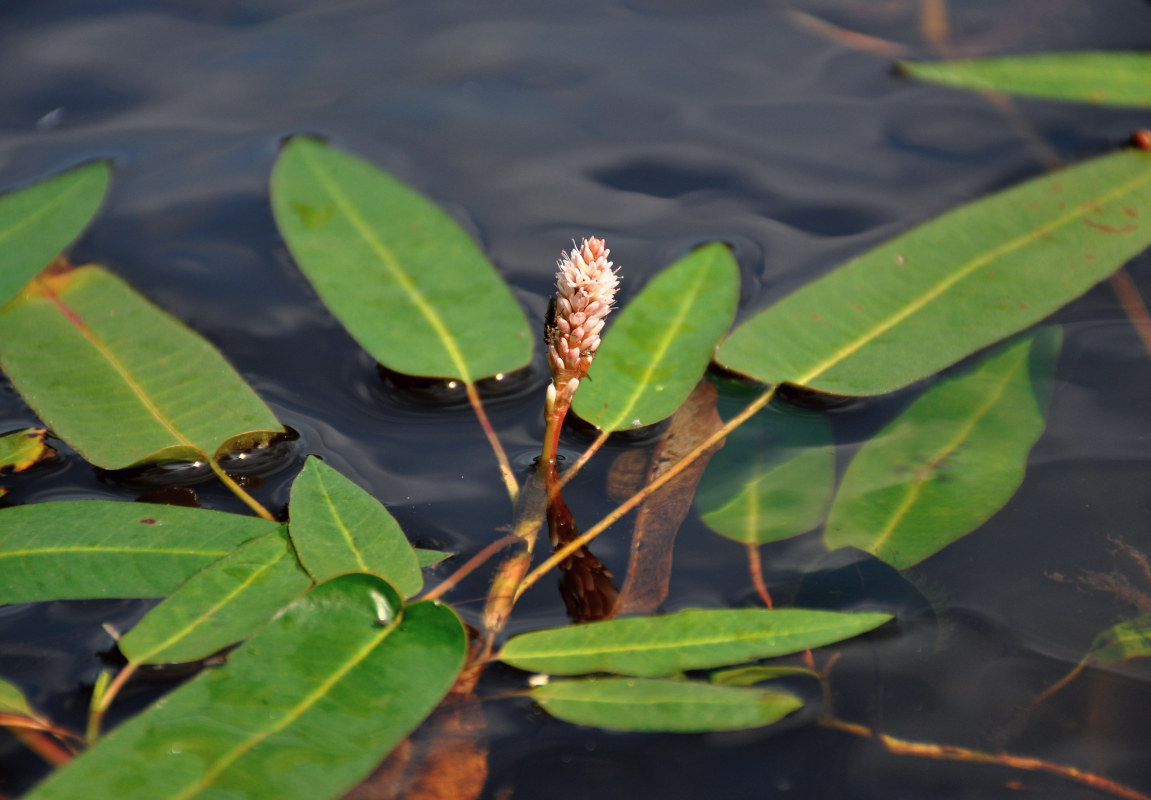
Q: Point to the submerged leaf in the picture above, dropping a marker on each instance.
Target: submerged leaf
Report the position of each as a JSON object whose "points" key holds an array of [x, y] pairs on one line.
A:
{"points": [[951, 460], [773, 479], [301, 712], [220, 605], [952, 286], [171, 394], [82, 549], [693, 639], [639, 704], [337, 527], [1105, 78], [1122, 642], [657, 349], [405, 280], [39, 221], [21, 449]]}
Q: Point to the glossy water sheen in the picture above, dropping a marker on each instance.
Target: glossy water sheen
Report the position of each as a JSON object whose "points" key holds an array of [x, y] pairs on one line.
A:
{"points": [[656, 126]]}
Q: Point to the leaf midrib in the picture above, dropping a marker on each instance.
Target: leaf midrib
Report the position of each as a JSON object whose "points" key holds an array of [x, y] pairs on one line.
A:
{"points": [[339, 522], [392, 263], [933, 293]]}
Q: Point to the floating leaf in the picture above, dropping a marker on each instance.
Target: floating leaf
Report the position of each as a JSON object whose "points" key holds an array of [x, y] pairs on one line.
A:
{"points": [[337, 527], [952, 286], [222, 604], [83, 348], [303, 710], [428, 558], [950, 461], [773, 479], [83, 549], [694, 639], [21, 449], [657, 349], [1122, 642], [638, 704], [1106, 78], [404, 279], [39, 221]]}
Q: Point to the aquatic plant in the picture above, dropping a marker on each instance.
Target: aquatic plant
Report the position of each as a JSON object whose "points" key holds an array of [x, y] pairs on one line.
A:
{"points": [[342, 653]]}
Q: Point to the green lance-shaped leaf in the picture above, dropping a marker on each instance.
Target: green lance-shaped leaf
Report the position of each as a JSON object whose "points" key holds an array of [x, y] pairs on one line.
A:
{"points": [[428, 558], [83, 549], [39, 221], [337, 527], [1122, 642], [12, 701], [951, 460], [303, 710], [644, 704], [84, 349], [773, 479], [405, 280], [21, 449], [695, 639], [952, 286], [222, 604], [1105, 78], [656, 350]]}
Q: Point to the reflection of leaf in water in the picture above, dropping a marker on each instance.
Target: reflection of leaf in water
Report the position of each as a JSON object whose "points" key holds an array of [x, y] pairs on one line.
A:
{"points": [[659, 519], [951, 460]]}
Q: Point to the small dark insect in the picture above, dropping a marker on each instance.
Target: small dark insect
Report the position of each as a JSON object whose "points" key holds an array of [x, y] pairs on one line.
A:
{"points": [[550, 322], [1141, 139]]}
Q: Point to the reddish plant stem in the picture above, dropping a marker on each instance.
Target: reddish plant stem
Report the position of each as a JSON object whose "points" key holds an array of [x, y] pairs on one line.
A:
{"points": [[1133, 305], [470, 566], [945, 752], [96, 715], [43, 745], [506, 473], [755, 567]]}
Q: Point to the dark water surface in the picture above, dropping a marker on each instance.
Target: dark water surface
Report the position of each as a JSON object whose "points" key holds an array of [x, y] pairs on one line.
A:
{"points": [[657, 126]]}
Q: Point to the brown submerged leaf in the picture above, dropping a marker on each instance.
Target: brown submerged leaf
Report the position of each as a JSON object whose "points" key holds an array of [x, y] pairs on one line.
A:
{"points": [[658, 520]]}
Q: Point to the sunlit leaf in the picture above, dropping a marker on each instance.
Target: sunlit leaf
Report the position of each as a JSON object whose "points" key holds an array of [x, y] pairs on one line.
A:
{"points": [[405, 280], [952, 286], [951, 460], [773, 478], [643, 704], [656, 350], [302, 711], [21, 449], [1122, 642], [39, 221], [337, 527], [220, 605], [1106, 78], [84, 350], [694, 639], [84, 549]]}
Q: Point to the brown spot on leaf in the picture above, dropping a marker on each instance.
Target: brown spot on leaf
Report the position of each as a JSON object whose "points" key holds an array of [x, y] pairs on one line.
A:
{"points": [[1141, 139], [1131, 212], [1110, 228], [148, 521], [815, 317]]}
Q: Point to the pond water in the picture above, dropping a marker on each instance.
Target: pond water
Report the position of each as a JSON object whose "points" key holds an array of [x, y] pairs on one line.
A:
{"points": [[657, 126]]}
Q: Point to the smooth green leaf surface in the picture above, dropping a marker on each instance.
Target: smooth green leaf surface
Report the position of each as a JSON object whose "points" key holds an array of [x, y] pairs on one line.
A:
{"points": [[773, 479], [81, 549], [39, 221], [1122, 642], [337, 527], [694, 639], [655, 351], [301, 712], [405, 280], [639, 704], [749, 676], [83, 348], [12, 701], [952, 286], [428, 558], [21, 449], [1106, 78], [951, 460], [225, 602]]}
